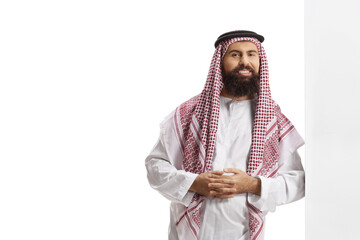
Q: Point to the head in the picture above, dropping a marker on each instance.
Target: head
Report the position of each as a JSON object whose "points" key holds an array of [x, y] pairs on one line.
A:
{"points": [[240, 64], [240, 69]]}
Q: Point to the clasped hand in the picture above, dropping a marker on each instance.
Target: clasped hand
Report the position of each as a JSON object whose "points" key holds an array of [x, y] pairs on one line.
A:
{"points": [[217, 185]]}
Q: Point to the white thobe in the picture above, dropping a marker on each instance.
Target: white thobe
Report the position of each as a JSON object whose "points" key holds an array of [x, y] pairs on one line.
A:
{"points": [[227, 219]]}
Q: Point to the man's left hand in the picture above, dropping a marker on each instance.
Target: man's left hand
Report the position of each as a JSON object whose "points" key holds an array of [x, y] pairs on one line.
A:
{"points": [[242, 183]]}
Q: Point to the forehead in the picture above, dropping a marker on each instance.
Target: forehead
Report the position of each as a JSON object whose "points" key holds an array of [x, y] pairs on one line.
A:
{"points": [[242, 46]]}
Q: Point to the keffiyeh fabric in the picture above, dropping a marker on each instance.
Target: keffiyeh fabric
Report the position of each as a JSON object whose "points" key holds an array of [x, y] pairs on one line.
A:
{"points": [[196, 124]]}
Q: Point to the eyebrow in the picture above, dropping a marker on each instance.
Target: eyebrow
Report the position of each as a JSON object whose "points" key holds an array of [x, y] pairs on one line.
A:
{"points": [[250, 51]]}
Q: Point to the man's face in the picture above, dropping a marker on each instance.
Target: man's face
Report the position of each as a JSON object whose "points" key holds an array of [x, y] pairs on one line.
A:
{"points": [[242, 53], [240, 68]]}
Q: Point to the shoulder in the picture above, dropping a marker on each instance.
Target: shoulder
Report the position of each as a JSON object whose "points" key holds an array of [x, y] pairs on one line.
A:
{"points": [[182, 113], [289, 137], [284, 124], [189, 105]]}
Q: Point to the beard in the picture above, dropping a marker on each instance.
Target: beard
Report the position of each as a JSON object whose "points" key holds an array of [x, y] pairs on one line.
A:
{"points": [[239, 86]]}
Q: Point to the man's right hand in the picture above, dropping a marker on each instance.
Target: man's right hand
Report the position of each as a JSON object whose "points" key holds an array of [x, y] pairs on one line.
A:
{"points": [[202, 181]]}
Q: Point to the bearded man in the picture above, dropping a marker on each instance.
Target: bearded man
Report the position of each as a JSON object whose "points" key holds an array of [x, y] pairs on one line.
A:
{"points": [[228, 156]]}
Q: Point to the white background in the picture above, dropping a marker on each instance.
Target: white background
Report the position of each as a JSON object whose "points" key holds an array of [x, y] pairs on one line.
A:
{"points": [[84, 86]]}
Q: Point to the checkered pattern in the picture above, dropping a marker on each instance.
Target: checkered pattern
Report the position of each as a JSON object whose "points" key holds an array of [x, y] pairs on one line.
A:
{"points": [[198, 124]]}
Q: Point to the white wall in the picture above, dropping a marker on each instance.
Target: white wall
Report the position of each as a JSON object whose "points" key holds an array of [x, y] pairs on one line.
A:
{"points": [[84, 86], [332, 56]]}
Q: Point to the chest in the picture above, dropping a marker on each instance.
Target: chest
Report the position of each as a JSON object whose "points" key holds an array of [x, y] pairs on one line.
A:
{"points": [[233, 139]]}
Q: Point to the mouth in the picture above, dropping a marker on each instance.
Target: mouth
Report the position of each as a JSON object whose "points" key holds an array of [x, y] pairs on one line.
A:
{"points": [[245, 72]]}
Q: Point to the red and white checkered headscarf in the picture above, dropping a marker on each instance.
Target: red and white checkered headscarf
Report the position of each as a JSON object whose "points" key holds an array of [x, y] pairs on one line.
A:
{"points": [[196, 124]]}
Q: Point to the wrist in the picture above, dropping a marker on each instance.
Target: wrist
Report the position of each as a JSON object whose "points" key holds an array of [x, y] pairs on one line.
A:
{"points": [[255, 186], [193, 185]]}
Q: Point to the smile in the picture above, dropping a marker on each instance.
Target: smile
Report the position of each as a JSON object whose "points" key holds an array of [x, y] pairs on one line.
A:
{"points": [[244, 72]]}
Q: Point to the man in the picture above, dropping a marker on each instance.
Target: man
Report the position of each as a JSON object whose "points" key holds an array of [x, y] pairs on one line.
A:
{"points": [[228, 156]]}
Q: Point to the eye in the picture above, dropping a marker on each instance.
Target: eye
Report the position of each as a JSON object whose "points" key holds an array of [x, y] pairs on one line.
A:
{"points": [[235, 55]]}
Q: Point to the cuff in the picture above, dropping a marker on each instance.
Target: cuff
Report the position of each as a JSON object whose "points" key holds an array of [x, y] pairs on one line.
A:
{"points": [[188, 195], [263, 202]]}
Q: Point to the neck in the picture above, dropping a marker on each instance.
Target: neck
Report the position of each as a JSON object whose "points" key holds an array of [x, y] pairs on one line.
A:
{"points": [[224, 93]]}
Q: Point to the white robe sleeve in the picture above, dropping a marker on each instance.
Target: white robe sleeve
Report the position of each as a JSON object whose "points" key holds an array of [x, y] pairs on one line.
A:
{"points": [[288, 186], [164, 172]]}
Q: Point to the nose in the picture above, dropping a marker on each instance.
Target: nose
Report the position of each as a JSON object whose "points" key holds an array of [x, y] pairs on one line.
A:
{"points": [[244, 60]]}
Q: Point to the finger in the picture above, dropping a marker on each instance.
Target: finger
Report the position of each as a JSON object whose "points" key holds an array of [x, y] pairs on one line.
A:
{"points": [[224, 190], [214, 176], [219, 186], [232, 170], [224, 180], [219, 172], [212, 193]]}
